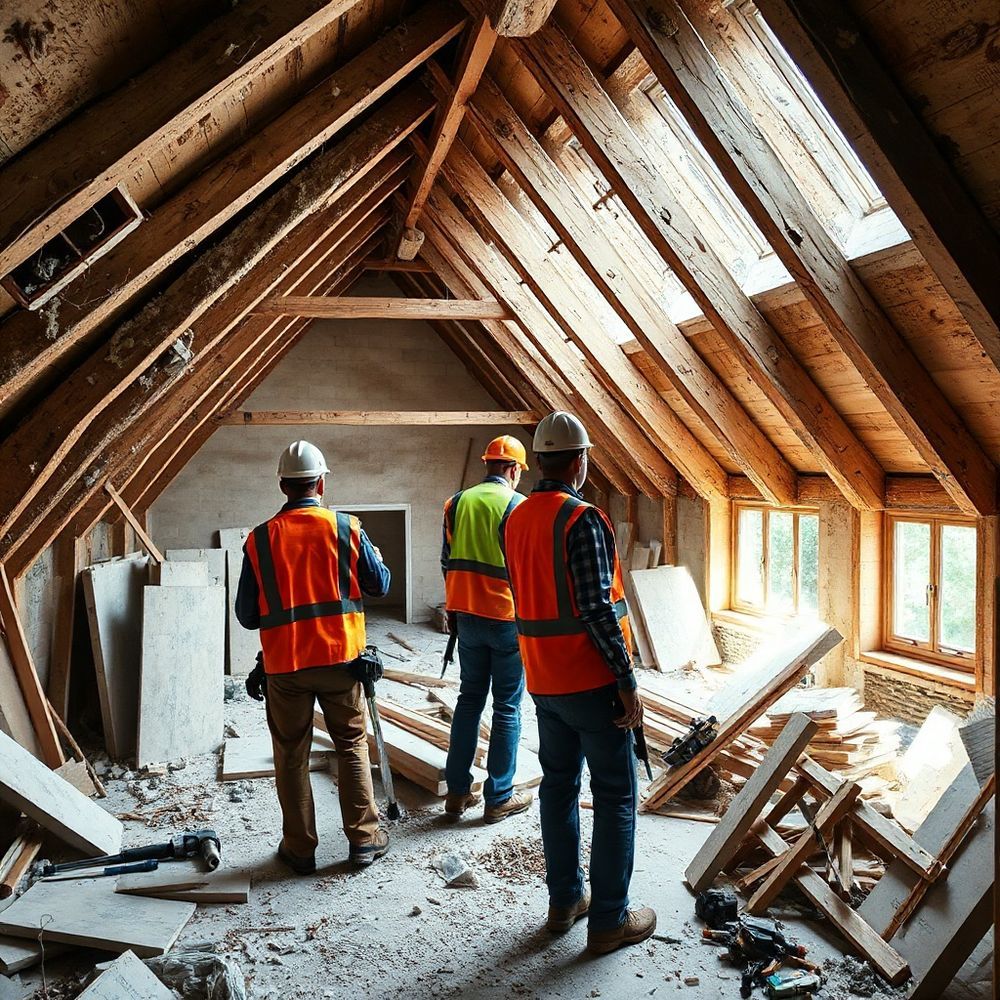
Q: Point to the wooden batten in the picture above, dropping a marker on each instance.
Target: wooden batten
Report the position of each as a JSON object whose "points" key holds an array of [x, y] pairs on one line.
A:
{"points": [[363, 307], [386, 418]]}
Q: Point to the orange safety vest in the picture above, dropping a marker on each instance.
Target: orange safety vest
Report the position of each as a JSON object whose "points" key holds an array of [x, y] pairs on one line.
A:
{"points": [[311, 611], [558, 653], [475, 578]]}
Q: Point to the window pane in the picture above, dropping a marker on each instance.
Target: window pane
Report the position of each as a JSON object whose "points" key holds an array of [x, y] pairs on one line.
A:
{"points": [[750, 557], [781, 558], [808, 564], [958, 587], [911, 577]]}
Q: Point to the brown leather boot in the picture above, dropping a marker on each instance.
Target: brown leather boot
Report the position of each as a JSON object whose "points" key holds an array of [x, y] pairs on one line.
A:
{"points": [[639, 925], [517, 803], [362, 856], [455, 805], [562, 918]]}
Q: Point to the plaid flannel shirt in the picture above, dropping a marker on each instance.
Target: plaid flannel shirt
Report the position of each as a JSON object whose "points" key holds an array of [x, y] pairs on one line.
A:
{"points": [[591, 562]]}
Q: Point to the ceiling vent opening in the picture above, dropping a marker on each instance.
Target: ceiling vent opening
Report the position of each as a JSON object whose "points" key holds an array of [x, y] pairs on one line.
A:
{"points": [[67, 254]]}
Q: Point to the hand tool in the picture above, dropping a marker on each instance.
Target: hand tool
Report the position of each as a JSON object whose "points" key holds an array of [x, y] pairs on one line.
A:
{"points": [[190, 844], [150, 865], [449, 653], [639, 747], [368, 669], [700, 733]]}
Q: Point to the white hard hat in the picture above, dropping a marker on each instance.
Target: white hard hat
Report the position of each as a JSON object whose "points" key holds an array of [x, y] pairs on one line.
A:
{"points": [[302, 460], [560, 431]]}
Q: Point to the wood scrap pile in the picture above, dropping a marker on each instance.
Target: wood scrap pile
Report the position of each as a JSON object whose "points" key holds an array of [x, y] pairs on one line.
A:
{"points": [[848, 739], [930, 895]]}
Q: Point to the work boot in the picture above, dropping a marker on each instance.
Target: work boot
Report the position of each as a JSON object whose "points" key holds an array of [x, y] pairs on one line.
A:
{"points": [[562, 918], [301, 866], [362, 856], [639, 925], [517, 803], [455, 805]]}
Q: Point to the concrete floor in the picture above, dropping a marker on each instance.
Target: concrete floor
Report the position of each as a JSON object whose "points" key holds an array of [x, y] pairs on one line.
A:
{"points": [[395, 929]]}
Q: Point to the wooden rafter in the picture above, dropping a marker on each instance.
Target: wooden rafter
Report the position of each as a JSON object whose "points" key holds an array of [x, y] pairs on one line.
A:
{"points": [[33, 340], [366, 307], [541, 385], [374, 418], [60, 177], [535, 337], [36, 448], [777, 206], [475, 55], [856, 88], [568, 306], [622, 156], [619, 276], [398, 266], [123, 453], [515, 18]]}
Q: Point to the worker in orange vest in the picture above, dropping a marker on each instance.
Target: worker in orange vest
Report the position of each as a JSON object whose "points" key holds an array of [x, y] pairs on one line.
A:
{"points": [[304, 573], [481, 610], [575, 641]]}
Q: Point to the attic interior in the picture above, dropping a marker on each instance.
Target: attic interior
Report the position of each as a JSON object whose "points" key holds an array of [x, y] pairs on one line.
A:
{"points": [[753, 245]]}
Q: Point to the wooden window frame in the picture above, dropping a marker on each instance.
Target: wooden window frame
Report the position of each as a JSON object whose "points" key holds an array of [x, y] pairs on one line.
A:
{"points": [[750, 609], [931, 651]]}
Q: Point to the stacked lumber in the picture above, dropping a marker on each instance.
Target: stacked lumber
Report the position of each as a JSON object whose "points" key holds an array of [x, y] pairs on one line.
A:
{"points": [[847, 740]]}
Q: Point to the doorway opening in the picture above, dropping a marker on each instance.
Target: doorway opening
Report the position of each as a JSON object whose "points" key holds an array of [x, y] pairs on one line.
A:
{"points": [[388, 527]]}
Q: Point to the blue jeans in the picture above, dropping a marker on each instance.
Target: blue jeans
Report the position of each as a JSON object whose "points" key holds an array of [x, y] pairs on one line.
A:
{"points": [[572, 727], [488, 654]]}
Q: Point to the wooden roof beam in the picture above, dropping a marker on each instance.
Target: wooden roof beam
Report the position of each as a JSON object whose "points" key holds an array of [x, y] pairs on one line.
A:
{"points": [[35, 339], [627, 443], [475, 55], [367, 307], [61, 176], [777, 206], [618, 274], [378, 418], [856, 87], [568, 306], [543, 386], [516, 18], [622, 153], [38, 445]]}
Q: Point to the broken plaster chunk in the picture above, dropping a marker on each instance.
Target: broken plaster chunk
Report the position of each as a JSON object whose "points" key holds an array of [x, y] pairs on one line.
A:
{"points": [[691, 980], [455, 871]]}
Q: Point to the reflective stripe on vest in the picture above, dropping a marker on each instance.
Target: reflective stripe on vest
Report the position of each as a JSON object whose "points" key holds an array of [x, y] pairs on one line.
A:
{"points": [[318, 559], [559, 655], [476, 577]]}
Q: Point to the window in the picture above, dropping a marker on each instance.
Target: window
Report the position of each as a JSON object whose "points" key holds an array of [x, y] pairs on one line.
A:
{"points": [[776, 560], [931, 588]]}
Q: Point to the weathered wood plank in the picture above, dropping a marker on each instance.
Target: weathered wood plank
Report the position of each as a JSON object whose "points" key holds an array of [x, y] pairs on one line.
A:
{"points": [[475, 55], [61, 176], [515, 18], [363, 418], [722, 124], [363, 307]]}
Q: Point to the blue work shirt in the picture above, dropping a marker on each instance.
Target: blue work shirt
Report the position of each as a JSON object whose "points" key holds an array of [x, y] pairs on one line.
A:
{"points": [[373, 575]]}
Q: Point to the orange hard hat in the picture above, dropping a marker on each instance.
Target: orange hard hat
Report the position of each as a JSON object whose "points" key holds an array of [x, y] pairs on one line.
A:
{"points": [[506, 449]]}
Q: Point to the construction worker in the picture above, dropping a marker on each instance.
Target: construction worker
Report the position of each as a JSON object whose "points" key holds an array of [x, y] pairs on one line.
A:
{"points": [[575, 639], [304, 573], [480, 608]]}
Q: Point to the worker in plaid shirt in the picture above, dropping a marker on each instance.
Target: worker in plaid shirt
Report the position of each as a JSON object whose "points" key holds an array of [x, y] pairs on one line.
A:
{"points": [[575, 638]]}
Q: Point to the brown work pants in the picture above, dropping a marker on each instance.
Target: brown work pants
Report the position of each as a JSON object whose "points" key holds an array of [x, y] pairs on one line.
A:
{"points": [[291, 700]]}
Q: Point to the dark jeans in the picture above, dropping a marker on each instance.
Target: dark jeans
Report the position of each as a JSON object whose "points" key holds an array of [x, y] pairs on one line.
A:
{"points": [[488, 655], [571, 728]]}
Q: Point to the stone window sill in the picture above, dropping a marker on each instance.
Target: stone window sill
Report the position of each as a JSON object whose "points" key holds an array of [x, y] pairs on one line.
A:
{"points": [[963, 683]]}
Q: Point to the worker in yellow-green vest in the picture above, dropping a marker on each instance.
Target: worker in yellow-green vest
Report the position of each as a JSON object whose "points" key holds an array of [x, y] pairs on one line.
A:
{"points": [[481, 610]]}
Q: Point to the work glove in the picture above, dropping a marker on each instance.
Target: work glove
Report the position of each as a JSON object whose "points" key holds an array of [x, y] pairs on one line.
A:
{"points": [[367, 669], [452, 622], [256, 682]]}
